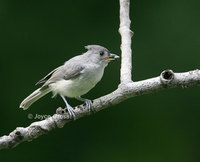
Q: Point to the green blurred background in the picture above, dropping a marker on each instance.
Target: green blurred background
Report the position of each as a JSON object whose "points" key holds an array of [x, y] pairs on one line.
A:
{"points": [[37, 36]]}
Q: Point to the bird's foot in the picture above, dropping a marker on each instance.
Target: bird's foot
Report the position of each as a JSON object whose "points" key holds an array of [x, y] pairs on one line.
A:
{"points": [[71, 112], [89, 105], [69, 108]]}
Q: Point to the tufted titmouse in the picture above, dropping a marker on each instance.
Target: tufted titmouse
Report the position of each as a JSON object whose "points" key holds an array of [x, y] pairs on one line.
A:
{"points": [[75, 78]]}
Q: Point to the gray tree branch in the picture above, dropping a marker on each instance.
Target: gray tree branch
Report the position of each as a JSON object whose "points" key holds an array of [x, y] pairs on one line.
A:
{"points": [[126, 34], [125, 90], [167, 79]]}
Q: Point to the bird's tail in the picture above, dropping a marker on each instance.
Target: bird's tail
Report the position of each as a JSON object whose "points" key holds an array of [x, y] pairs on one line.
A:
{"points": [[33, 97]]}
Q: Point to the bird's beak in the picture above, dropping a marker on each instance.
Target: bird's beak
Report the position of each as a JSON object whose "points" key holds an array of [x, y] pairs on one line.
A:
{"points": [[112, 57]]}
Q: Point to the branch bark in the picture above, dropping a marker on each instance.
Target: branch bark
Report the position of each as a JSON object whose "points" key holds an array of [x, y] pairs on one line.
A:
{"points": [[127, 89], [126, 34], [167, 79]]}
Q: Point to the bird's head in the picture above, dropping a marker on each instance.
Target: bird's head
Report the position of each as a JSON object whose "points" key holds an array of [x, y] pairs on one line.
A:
{"points": [[100, 55]]}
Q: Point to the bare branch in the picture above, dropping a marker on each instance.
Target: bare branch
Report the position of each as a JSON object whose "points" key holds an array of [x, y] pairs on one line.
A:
{"points": [[126, 34], [167, 79]]}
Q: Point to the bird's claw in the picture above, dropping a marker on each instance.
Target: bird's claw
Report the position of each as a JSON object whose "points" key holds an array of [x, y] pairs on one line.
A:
{"points": [[89, 104], [71, 112]]}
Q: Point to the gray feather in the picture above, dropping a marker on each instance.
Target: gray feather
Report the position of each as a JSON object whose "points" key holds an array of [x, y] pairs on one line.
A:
{"points": [[70, 70], [48, 76], [33, 97]]}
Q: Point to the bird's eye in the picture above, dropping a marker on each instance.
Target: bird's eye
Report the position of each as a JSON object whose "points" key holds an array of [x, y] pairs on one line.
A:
{"points": [[101, 53]]}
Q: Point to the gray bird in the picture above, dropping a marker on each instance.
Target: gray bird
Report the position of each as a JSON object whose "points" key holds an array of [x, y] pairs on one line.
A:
{"points": [[75, 78]]}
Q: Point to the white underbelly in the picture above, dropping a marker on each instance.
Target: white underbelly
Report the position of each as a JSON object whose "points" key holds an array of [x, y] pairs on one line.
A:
{"points": [[76, 87]]}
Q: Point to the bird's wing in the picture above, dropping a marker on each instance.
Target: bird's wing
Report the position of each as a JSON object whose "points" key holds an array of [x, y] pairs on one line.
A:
{"points": [[48, 76], [73, 67], [64, 72], [72, 72]]}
